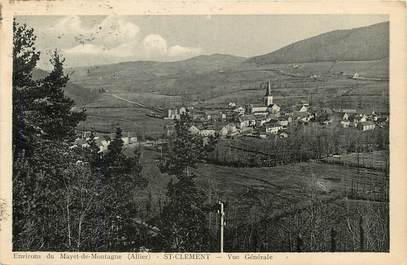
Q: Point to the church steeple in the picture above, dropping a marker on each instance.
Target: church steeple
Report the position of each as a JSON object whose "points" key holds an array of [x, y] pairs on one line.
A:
{"points": [[268, 98], [268, 89]]}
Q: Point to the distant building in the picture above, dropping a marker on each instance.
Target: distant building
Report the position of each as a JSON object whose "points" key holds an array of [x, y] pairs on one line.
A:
{"points": [[272, 127], [207, 132], [247, 120], [228, 130], [347, 111], [126, 140], [182, 110], [258, 109], [345, 123], [304, 108], [366, 125], [273, 108], [103, 146], [240, 110], [193, 130], [172, 114]]}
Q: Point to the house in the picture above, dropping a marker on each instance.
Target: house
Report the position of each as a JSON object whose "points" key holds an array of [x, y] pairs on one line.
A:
{"points": [[304, 108], [104, 144], [355, 75], [182, 110], [273, 108], [345, 116], [193, 129], [345, 123], [260, 120], [258, 108], [283, 122], [247, 120], [172, 114], [126, 140], [228, 130], [240, 110], [272, 127], [361, 117], [231, 104], [366, 125], [207, 132], [381, 121]]}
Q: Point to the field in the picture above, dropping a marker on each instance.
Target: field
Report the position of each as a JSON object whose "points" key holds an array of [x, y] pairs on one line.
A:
{"points": [[375, 160], [282, 196], [109, 112]]}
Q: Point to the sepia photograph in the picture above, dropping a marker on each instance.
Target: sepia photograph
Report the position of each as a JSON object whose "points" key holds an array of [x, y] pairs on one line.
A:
{"points": [[200, 133]]}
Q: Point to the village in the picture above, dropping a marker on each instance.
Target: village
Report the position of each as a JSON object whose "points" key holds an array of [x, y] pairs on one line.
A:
{"points": [[260, 120], [267, 119]]}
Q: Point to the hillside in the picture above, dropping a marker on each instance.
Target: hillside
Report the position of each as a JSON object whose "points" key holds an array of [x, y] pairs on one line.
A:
{"points": [[218, 79], [80, 95], [359, 44], [126, 75]]}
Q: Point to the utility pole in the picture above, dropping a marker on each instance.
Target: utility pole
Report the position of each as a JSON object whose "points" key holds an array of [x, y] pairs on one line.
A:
{"points": [[222, 223]]}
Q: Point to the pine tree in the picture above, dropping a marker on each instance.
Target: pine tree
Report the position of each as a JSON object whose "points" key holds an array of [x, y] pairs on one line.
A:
{"points": [[40, 108], [25, 58], [183, 220], [185, 151], [54, 110], [116, 146]]}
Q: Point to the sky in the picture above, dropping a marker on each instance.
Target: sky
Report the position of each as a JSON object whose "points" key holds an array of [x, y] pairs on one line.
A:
{"points": [[94, 40]]}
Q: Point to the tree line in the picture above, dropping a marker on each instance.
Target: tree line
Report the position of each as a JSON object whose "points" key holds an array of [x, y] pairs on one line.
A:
{"points": [[302, 144]]}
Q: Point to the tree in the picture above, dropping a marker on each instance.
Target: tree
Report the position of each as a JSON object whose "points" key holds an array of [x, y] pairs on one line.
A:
{"points": [[40, 108], [25, 58], [64, 197], [185, 151], [121, 176], [54, 111], [183, 219]]}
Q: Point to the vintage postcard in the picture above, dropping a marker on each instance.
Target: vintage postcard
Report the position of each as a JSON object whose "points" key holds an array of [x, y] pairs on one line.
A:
{"points": [[199, 131]]}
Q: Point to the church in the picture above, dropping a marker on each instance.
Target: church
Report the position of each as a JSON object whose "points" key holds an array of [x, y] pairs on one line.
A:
{"points": [[268, 105]]}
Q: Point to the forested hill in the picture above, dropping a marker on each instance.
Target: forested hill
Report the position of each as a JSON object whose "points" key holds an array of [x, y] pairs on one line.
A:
{"points": [[358, 44]]}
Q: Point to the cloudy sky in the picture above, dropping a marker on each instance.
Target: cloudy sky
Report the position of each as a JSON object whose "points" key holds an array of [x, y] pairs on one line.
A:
{"points": [[91, 40]]}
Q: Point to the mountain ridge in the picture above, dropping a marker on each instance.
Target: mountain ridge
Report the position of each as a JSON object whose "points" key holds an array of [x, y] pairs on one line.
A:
{"points": [[357, 44]]}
